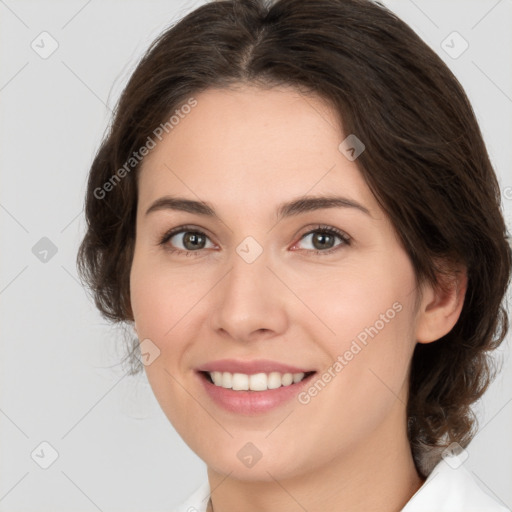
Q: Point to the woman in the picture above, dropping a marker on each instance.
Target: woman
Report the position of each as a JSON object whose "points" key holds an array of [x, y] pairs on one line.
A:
{"points": [[295, 210]]}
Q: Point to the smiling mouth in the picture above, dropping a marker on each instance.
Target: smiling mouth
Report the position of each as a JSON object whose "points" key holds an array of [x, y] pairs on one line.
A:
{"points": [[254, 382]]}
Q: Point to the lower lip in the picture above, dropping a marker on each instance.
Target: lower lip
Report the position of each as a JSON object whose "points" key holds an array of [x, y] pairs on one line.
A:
{"points": [[252, 402]]}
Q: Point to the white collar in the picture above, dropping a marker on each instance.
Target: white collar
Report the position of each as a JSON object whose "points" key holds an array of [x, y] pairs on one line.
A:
{"points": [[450, 487]]}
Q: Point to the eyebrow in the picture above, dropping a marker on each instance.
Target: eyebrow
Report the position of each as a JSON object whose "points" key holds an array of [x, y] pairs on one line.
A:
{"points": [[289, 209]]}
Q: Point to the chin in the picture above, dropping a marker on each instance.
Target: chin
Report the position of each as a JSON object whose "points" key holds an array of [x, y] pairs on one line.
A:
{"points": [[279, 466]]}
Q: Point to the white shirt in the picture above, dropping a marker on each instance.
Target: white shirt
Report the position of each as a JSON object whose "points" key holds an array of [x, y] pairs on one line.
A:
{"points": [[445, 490]]}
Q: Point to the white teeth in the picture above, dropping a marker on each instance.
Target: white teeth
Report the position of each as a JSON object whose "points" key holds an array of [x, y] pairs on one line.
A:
{"points": [[217, 378], [240, 382], [297, 377], [254, 382], [227, 380], [287, 379], [274, 380], [257, 382]]}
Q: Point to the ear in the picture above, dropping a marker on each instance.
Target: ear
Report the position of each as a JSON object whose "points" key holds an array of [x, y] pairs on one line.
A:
{"points": [[441, 306]]}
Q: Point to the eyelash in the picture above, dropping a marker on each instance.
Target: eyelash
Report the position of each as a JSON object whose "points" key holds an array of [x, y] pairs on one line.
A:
{"points": [[329, 230]]}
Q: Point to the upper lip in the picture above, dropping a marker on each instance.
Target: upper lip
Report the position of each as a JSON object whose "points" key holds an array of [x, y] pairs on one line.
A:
{"points": [[250, 367]]}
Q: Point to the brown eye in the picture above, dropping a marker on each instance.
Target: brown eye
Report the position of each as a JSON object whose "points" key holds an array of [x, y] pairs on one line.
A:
{"points": [[192, 240], [185, 240], [323, 239]]}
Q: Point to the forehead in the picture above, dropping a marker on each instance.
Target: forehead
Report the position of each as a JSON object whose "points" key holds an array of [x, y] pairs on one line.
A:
{"points": [[252, 146]]}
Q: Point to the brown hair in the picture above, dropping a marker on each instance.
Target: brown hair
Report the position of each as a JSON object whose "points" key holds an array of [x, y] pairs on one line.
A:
{"points": [[425, 161]]}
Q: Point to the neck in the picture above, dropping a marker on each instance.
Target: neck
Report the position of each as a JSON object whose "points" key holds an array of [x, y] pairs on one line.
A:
{"points": [[379, 475]]}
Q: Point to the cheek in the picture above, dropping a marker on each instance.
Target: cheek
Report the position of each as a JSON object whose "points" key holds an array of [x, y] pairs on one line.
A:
{"points": [[370, 313], [160, 312], [165, 303], [152, 303], [370, 297], [364, 383], [161, 296]]}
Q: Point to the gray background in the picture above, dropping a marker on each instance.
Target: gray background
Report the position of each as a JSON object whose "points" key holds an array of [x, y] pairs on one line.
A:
{"points": [[60, 378]]}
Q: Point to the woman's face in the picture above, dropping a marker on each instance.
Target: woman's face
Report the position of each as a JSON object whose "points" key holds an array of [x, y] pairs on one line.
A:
{"points": [[254, 281]]}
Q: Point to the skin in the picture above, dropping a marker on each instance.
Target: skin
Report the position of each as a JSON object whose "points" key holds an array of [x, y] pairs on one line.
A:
{"points": [[246, 151]]}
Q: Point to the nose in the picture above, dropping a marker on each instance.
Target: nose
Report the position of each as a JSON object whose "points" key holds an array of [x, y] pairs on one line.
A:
{"points": [[250, 301]]}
